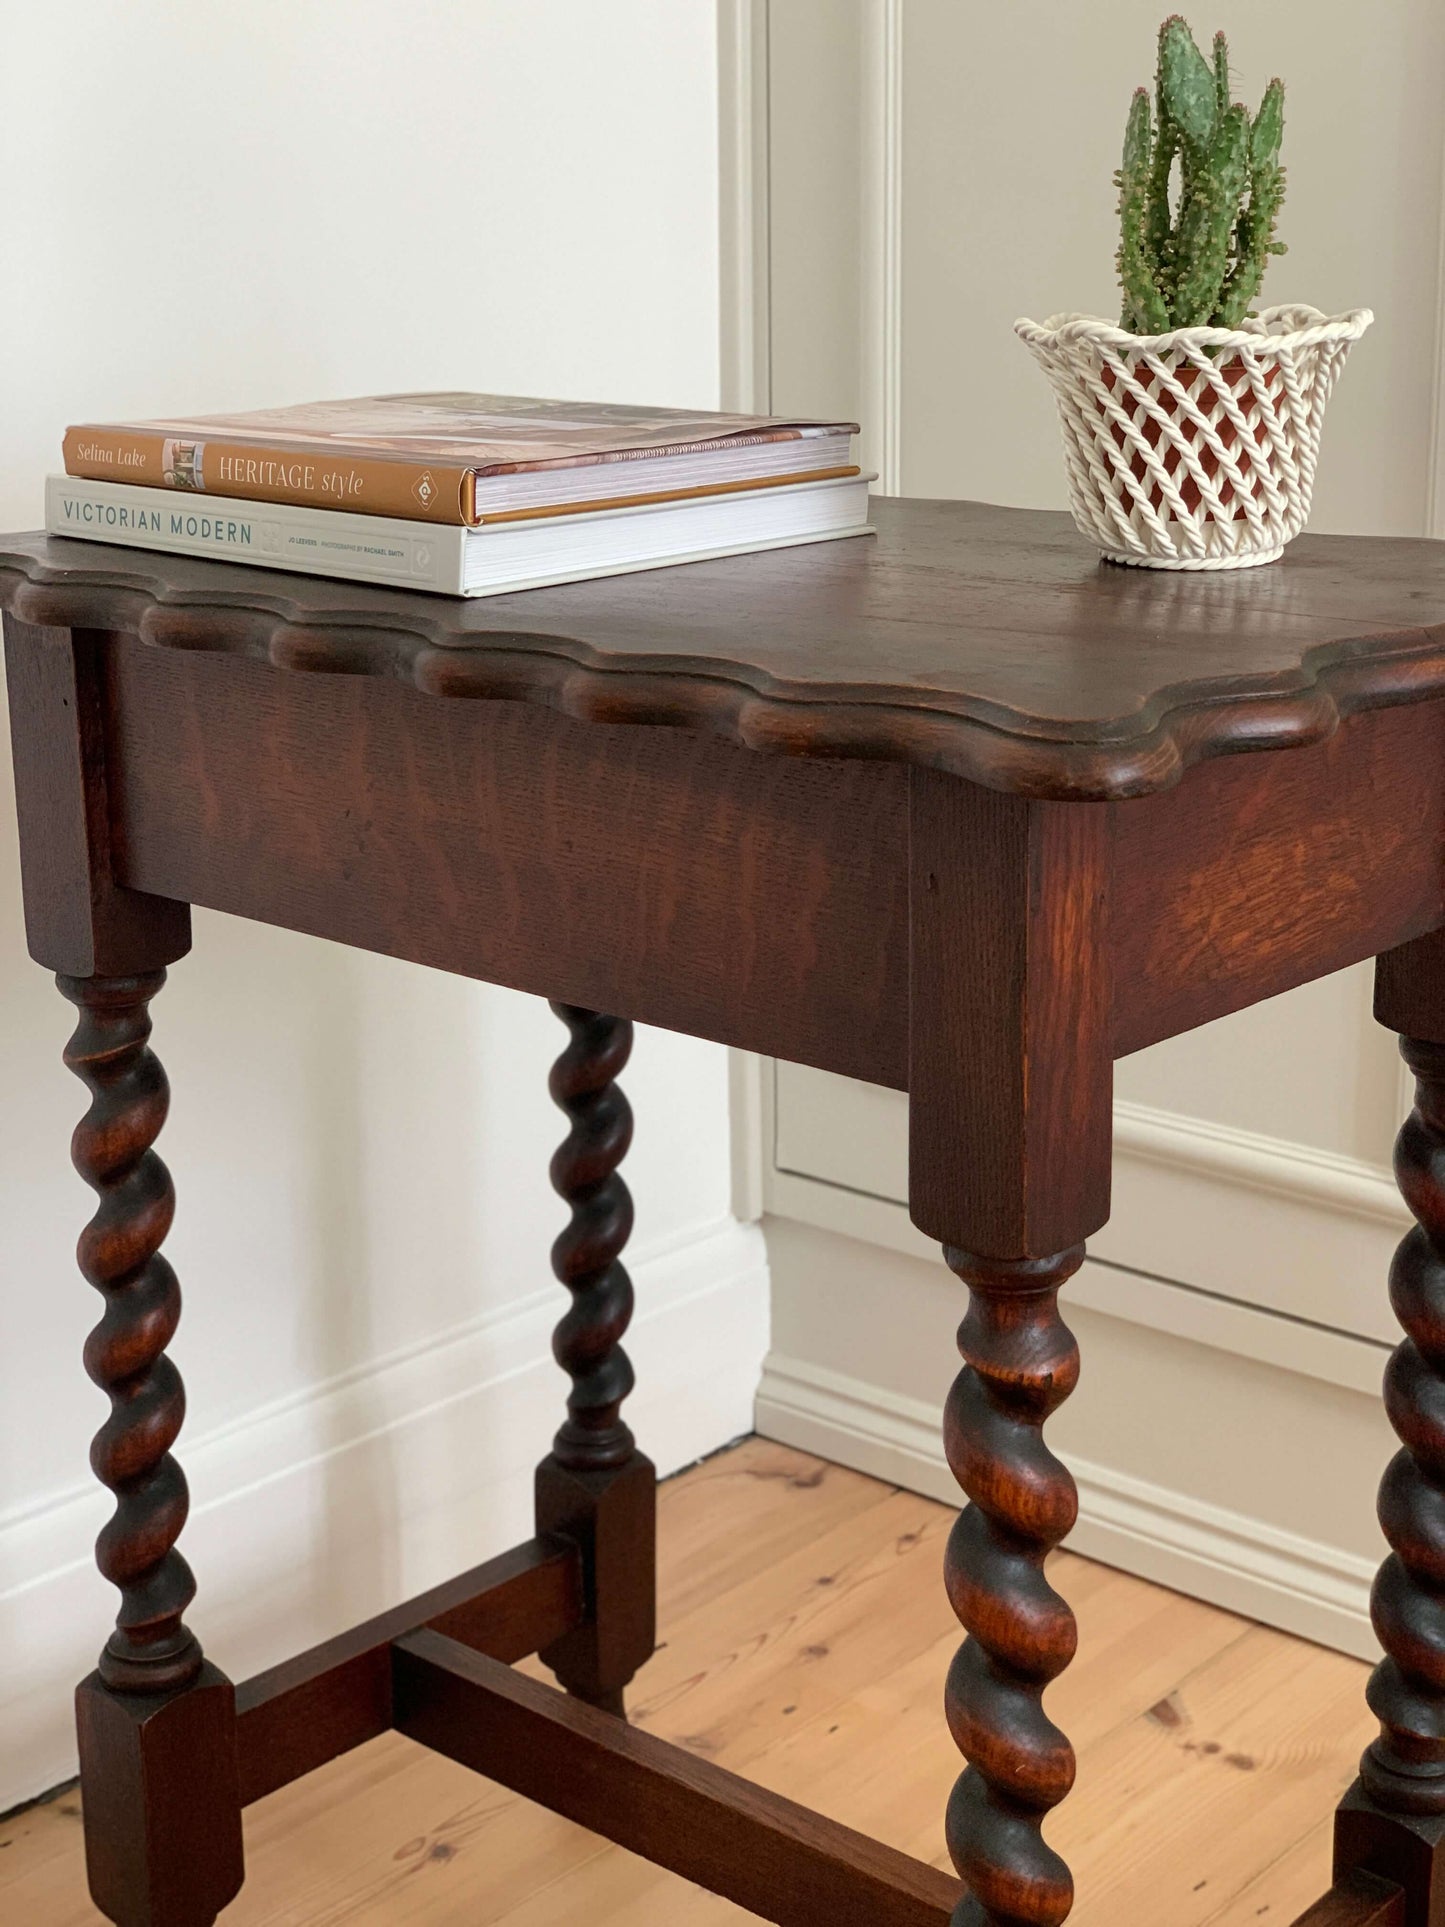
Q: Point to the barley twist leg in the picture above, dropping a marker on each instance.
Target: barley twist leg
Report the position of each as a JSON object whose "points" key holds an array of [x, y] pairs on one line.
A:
{"points": [[1021, 1363]]}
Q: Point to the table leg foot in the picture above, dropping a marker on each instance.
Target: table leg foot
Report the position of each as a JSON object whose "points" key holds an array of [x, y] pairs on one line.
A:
{"points": [[1404, 1848], [596, 1488], [160, 1789], [1021, 1363], [161, 1800]]}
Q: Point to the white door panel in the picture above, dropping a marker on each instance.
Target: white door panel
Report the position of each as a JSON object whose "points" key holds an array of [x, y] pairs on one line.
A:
{"points": [[1311, 1067], [1256, 1221]]}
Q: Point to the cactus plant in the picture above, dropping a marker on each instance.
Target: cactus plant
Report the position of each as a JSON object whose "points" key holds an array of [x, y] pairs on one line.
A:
{"points": [[1197, 260]]}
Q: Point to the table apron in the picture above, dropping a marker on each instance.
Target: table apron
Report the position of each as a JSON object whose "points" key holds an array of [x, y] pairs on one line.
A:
{"points": [[1263, 872], [757, 900]]}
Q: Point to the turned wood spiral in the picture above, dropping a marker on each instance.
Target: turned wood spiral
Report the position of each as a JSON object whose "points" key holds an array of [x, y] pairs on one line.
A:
{"points": [[1021, 1363], [1404, 1770], [586, 1257], [151, 1650]]}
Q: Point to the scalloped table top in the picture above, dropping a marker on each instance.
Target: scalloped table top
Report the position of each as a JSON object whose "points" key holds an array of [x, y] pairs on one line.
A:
{"points": [[987, 641]]}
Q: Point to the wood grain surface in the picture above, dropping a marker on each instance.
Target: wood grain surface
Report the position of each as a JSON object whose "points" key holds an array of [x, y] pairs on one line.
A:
{"points": [[805, 1644], [1261, 873], [1010, 1074], [777, 1858], [650, 873], [311, 1708], [1359, 1902], [987, 641], [78, 918]]}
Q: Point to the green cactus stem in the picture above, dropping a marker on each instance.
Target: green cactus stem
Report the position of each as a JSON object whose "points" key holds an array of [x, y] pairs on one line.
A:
{"points": [[1197, 255], [1223, 97], [1208, 224], [1255, 241], [1159, 220], [1159, 223], [1145, 309], [1187, 82]]}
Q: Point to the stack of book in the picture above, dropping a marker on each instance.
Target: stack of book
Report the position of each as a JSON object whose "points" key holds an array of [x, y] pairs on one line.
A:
{"points": [[462, 494]]}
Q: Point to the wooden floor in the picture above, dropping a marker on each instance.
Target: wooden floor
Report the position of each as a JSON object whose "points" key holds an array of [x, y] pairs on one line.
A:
{"points": [[806, 1638]]}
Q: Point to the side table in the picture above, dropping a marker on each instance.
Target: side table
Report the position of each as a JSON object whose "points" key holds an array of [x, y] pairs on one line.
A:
{"points": [[956, 810]]}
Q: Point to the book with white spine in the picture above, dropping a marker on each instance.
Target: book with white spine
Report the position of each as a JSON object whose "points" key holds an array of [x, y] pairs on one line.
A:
{"points": [[496, 558]]}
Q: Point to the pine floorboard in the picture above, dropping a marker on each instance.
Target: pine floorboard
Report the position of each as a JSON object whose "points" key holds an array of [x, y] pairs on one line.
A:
{"points": [[805, 1637]]}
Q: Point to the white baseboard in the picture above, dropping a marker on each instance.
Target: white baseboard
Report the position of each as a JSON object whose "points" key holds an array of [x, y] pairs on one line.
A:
{"points": [[319, 1510], [1317, 1591]]}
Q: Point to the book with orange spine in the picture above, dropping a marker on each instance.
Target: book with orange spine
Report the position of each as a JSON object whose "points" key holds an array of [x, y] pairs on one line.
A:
{"points": [[458, 458]]}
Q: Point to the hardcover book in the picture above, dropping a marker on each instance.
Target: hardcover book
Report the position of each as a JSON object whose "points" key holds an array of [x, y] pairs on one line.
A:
{"points": [[459, 458], [497, 557]]}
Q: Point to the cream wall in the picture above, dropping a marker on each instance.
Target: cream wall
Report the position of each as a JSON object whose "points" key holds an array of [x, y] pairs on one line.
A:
{"points": [[229, 206], [1028, 102], [997, 201]]}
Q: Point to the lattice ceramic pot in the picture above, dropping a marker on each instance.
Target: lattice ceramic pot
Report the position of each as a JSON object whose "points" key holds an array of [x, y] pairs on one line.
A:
{"points": [[1194, 449]]}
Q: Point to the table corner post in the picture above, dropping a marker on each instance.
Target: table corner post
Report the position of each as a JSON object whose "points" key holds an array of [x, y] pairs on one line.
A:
{"points": [[1010, 1097], [595, 1487], [81, 919], [155, 1720]]}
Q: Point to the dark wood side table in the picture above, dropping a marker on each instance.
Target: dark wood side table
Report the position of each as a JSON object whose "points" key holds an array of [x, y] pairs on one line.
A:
{"points": [[958, 811]]}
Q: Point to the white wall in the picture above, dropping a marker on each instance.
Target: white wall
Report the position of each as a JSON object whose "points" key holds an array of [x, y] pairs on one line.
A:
{"points": [[224, 207]]}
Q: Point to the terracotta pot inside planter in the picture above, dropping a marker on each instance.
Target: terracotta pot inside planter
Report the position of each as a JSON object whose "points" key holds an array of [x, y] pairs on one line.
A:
{"points": [[1196, 384]]}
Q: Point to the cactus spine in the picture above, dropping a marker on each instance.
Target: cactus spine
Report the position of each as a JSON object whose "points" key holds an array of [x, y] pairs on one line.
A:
{"points": [[1199, 259]]}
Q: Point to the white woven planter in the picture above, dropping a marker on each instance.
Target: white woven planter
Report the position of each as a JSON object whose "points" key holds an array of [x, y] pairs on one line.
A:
{"points": [[1194, 449]]}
